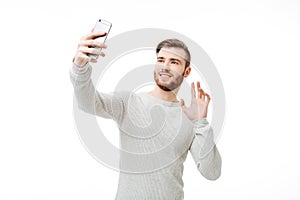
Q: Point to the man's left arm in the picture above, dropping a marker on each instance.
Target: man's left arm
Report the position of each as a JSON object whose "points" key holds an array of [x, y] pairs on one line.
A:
{"points": [[204, 151], [203, 147]]}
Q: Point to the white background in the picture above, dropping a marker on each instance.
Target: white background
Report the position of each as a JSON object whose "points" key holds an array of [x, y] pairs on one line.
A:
{"points": [[255, 46]]}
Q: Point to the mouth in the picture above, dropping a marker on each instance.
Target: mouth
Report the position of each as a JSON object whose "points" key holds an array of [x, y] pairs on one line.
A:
{"points": [[165, 75]]}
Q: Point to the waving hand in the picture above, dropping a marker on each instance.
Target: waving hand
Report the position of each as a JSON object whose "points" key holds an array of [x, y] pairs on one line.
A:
{"points": [[199, 103]]}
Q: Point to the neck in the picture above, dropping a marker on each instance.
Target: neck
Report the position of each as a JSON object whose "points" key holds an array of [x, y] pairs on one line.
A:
{"points": [[164, 95]]}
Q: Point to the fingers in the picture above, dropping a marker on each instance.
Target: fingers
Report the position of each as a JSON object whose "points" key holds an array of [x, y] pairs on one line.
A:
{"points": [[88, 45], [193, 92], [200, 92], [207, 97], [93, 35], [88, 41], [87, 50], [91, 43], [198, 84], [182, 103]]}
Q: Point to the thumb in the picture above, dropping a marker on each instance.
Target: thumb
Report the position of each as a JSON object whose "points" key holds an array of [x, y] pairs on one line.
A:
{"points": [[182, 104]]}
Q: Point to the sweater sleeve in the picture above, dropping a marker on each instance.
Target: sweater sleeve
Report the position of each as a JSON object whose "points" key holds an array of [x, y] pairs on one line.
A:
{"points": [[204, 150], [90, 100]]}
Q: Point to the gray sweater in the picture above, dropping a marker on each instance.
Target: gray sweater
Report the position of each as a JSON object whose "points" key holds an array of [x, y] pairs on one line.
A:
{"points": [[155, 137]]}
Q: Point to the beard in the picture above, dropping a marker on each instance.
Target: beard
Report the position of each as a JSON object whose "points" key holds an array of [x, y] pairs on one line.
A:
{"points": [[174, 81]]}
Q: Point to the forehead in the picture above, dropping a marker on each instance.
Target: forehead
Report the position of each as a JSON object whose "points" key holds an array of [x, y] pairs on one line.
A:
{"points": [[172, 52]]}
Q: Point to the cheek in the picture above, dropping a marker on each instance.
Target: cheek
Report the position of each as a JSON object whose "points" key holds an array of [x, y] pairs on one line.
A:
{"points": [[157, 67], [177, 70], [155, 72]]}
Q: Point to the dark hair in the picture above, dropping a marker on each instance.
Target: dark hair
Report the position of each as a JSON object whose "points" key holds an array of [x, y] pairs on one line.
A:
{"points": [[177, 44]]}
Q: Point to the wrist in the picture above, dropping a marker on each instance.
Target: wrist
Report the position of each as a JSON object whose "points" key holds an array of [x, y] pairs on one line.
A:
{"points": [[199, 124], [203, 113], [202, 116], [80, 70], [78, 63], [202, 120]]}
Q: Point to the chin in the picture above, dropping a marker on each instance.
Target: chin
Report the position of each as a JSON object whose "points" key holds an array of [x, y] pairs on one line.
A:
{"points": [[165, 87]]}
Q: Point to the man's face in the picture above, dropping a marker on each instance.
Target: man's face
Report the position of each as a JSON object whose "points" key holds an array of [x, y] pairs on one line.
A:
{"points": [[170, 68]]}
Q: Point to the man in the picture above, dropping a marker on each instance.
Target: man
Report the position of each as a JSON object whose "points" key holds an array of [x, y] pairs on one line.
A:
{"points": [[156, 130]]}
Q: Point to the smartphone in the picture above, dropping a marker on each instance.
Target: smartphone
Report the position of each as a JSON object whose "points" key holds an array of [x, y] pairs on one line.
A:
{"points": [[101, 26]]}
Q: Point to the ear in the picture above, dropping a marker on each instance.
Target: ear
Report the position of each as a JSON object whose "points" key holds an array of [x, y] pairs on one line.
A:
{"points": [[187, 72]]}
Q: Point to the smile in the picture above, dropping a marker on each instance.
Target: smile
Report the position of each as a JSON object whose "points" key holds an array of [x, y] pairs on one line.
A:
{"points": [[165, 74]]}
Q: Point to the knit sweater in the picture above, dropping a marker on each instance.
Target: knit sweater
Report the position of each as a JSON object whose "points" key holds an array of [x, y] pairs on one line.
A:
{"points": [[155, 137]]}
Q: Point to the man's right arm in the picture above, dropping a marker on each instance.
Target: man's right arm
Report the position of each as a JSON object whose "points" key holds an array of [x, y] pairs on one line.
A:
{"points": [[89, 100]]}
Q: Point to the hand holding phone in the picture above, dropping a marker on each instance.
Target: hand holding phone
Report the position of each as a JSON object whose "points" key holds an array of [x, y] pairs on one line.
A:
{"points": [[86, 47], [101, 26]]}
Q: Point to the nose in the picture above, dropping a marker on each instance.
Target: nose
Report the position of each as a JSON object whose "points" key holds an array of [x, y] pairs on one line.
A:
{"points": [[164, 68], [166, 64]]}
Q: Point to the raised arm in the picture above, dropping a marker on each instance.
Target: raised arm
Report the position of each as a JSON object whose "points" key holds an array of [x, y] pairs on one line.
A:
{"points": [[203, 148], [89, 100], [204, 151]]}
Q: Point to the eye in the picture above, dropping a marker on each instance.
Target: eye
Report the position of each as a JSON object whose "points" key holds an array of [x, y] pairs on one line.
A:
{"points": [[174, 63], [160, 60]]}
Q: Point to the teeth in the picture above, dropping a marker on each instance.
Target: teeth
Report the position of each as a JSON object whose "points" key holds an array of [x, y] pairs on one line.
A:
{"points": [[165, 74]]}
